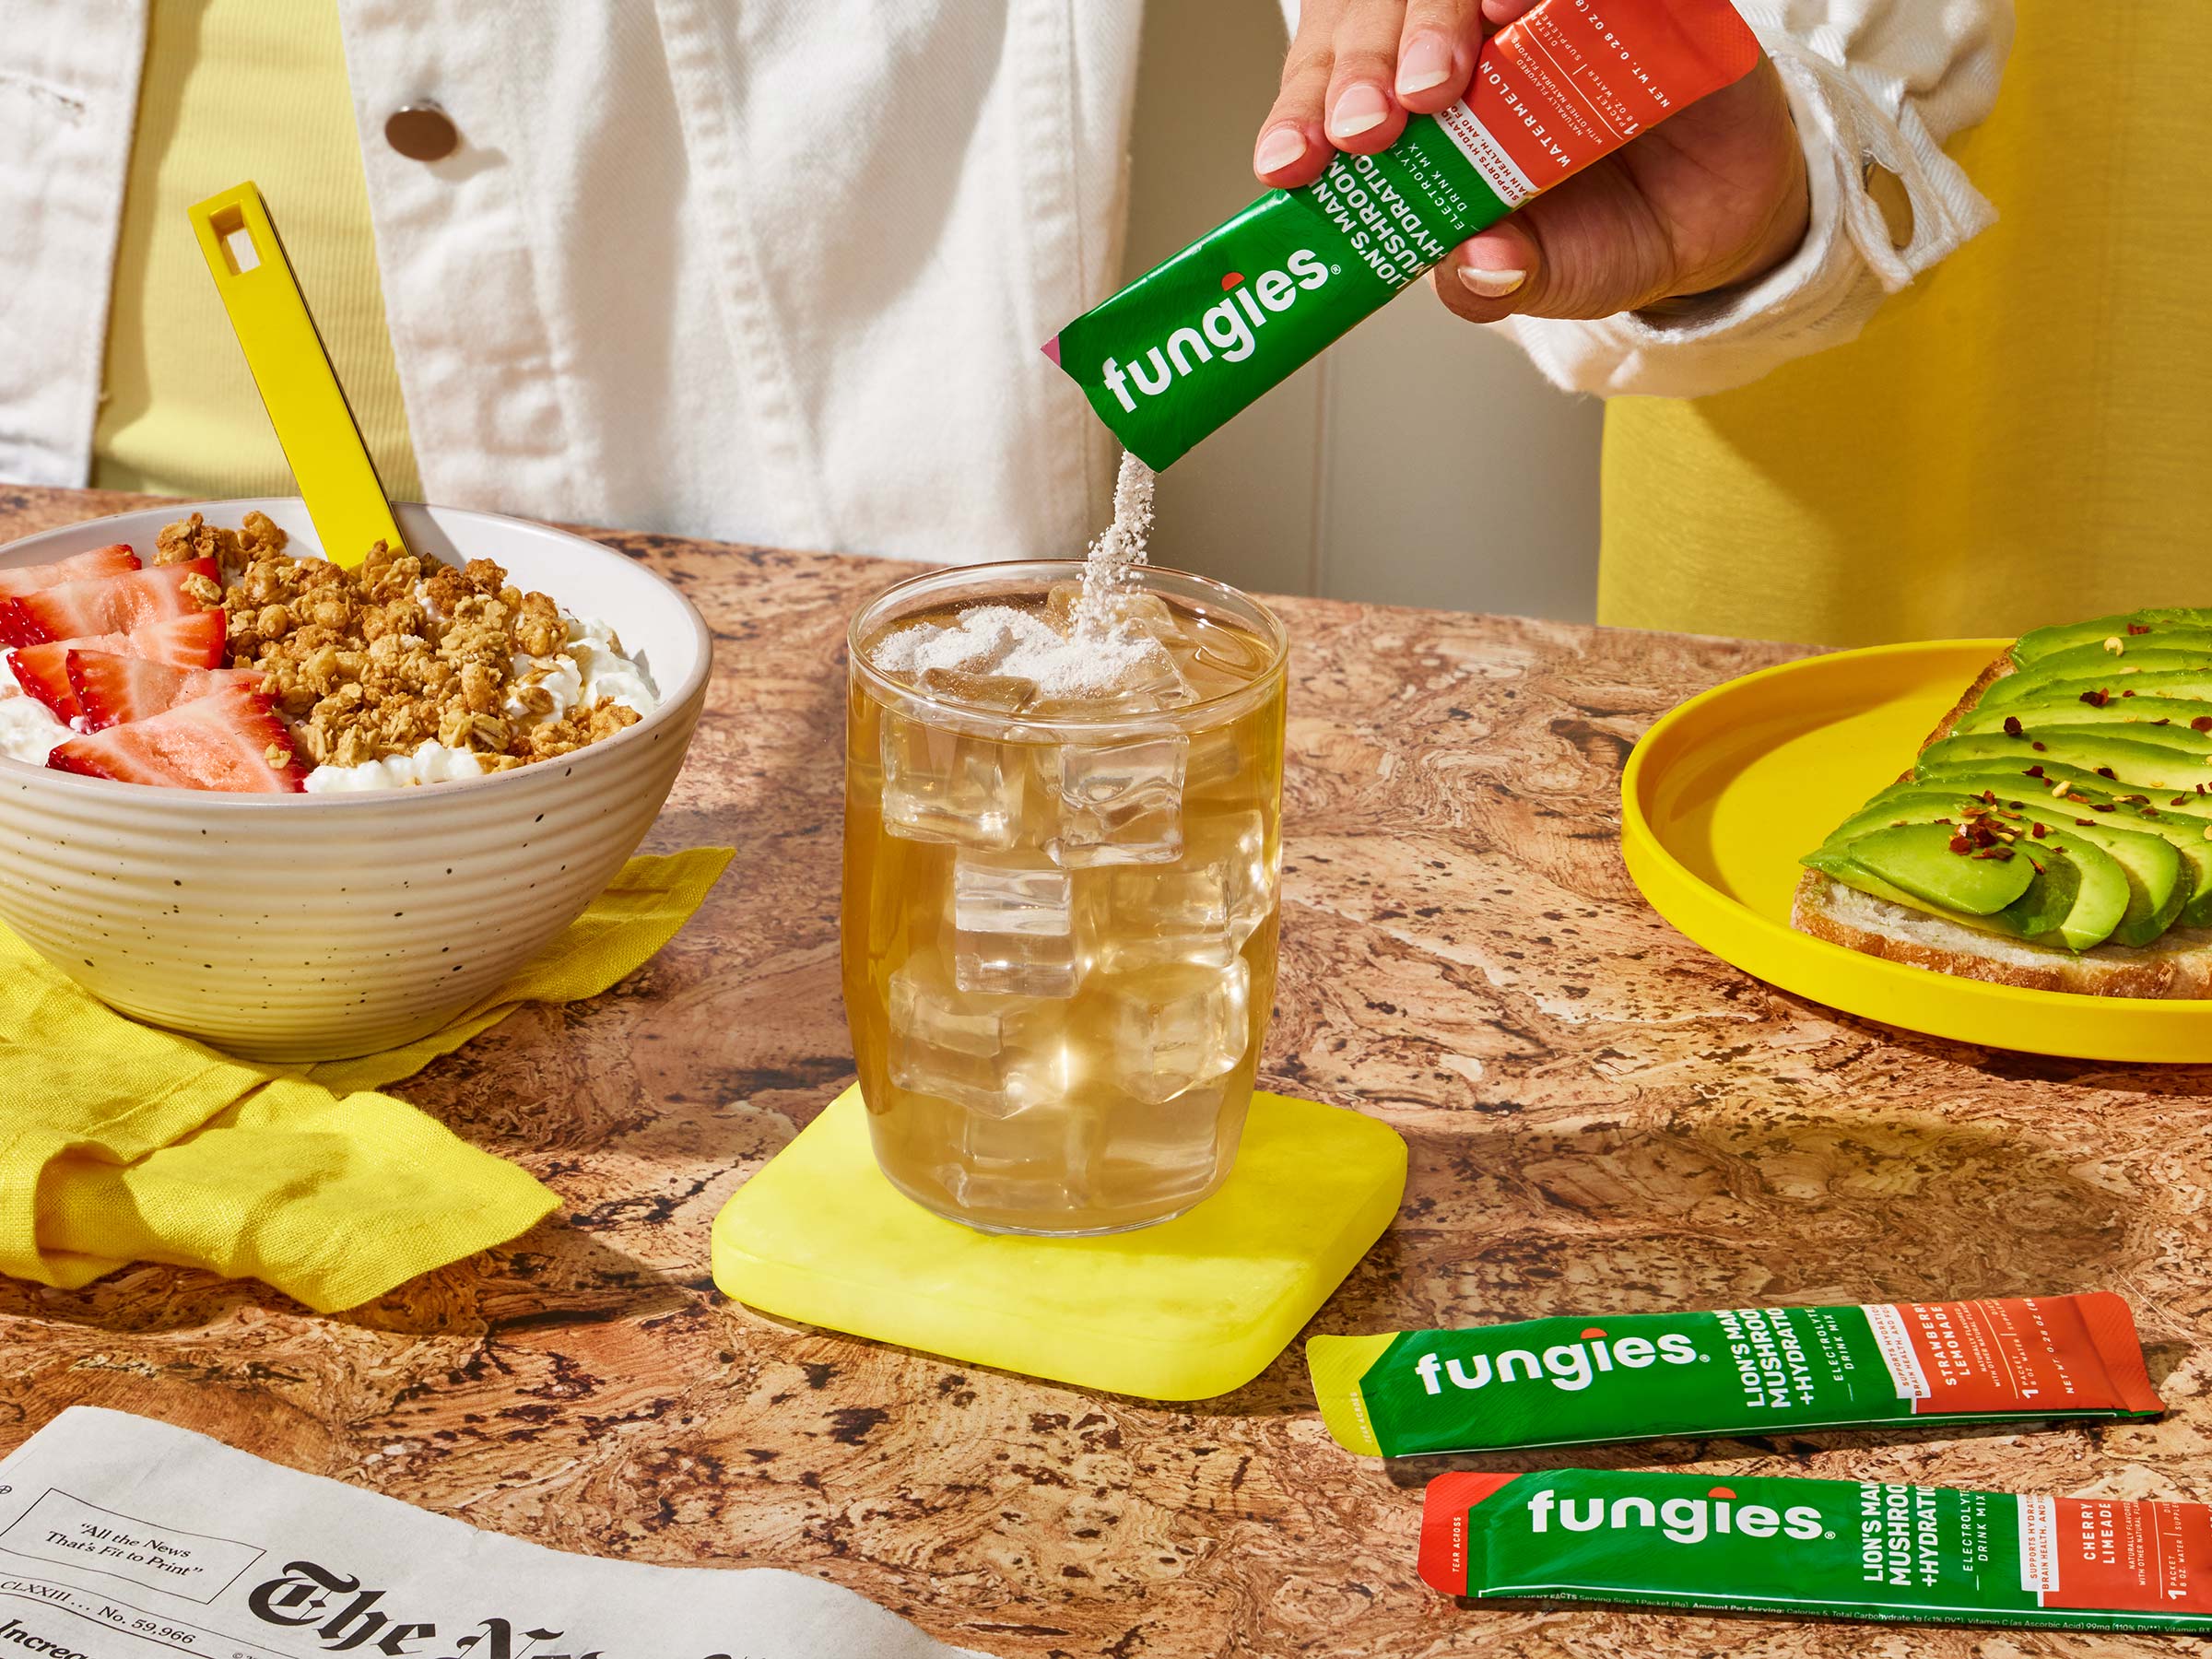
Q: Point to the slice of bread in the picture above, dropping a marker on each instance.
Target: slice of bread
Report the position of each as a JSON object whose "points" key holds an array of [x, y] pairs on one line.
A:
{"points": [[2177, 965]]}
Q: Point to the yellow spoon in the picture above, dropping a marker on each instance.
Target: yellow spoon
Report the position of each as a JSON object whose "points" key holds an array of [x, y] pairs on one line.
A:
{"points": [[298, 386]]}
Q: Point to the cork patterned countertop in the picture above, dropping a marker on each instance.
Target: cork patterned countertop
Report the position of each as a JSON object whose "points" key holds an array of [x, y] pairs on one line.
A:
{"points": [[1600, 1118]]}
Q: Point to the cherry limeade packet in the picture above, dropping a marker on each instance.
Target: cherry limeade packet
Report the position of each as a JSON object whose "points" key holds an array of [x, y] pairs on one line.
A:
{"points": [[1740, 1370], [1195, 339], [1843, 1548]]}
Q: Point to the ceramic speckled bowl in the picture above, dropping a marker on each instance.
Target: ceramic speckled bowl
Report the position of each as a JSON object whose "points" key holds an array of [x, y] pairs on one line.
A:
{"points": [[304, 927]]}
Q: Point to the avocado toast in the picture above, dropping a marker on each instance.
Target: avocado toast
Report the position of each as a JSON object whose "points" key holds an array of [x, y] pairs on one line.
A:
{"points": [[2056, 830]]}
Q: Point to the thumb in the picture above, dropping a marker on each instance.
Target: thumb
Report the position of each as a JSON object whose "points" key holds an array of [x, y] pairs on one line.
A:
{"points": [[1492, 276]]}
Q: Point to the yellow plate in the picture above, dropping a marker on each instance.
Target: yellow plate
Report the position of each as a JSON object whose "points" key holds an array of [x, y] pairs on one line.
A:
{"points": [[1724, 794]]}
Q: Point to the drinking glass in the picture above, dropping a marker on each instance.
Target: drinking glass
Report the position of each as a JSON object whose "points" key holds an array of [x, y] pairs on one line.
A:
{"points": [[1060, 912]]}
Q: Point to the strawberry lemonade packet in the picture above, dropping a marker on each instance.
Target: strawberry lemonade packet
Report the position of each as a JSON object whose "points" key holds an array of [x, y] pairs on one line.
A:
{"points": [[1738, 1371], [1194, 340], [1841, 1549]]}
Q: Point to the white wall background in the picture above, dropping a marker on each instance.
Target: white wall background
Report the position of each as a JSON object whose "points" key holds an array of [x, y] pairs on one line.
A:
{"points": [[1420, 462]]}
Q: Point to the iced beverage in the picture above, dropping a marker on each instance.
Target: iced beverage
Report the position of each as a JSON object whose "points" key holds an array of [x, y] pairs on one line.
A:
{"points": [[1060, 901]]}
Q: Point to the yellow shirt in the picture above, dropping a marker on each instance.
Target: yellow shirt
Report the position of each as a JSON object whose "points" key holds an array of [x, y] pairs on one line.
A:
{"points": [[237, 89], [2020, 439]]}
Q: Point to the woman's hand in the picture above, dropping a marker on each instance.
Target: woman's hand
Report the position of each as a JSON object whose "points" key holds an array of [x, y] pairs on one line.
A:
{"points": [[1715, 197]]}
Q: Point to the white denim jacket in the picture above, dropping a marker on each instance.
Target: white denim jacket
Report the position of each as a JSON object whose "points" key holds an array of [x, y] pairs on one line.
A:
{"points": [[772, 271]]}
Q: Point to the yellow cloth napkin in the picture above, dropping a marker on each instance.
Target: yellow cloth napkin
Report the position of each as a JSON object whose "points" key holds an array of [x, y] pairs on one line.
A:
{"points": [[120, 1143]]}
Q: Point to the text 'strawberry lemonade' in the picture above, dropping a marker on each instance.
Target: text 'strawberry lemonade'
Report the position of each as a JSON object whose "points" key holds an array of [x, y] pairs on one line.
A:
{"points": [[1062, 820]]}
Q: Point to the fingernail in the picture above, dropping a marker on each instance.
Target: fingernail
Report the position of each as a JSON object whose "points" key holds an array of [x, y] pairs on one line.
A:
{"points": [[1492, 284], [1360, 110], [1278, 148], [1425, 64]]}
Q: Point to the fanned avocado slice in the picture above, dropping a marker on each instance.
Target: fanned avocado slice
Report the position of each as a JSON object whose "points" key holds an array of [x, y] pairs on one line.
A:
{"points": [[2148, 767], [2152, 653], [2034, 916], [2048, 642], [2041, 772], [2194, 684], [2183, 826], [1918, 858], [2098, 907], [2114, 710], [2151, 866]]}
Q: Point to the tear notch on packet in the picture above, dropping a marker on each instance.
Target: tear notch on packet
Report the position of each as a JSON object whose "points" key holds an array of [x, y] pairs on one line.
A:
{"points": [[1196, 339], [1841, 1549], [1572, 1380]]}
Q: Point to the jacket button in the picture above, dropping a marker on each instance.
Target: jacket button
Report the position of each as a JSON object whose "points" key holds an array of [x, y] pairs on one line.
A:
{"points": [[422, 132]]}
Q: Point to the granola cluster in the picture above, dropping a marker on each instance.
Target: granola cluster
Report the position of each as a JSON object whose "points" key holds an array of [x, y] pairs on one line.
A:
{"points": [[373, 663]]}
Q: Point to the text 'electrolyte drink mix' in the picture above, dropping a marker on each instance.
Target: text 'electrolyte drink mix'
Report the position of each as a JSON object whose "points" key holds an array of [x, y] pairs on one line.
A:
{"points": [[1739, 1371], [1195, 339], [1842, 1549]]}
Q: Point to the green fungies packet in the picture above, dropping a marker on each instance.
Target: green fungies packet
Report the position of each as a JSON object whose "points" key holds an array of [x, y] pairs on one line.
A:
{"points": [[1194, 340], [1739, 1371], [1841, 1548]]}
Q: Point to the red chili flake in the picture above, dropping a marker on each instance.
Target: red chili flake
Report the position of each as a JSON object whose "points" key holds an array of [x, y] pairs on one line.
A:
{"points": [[2203, 722], [2086, 823], [2106, 771], [2012, 726], [1989, 797], [2137, 627], [2040, 748], [1960, 844], [2102, 807], [2037, 832], [2167, 720], [2150, 811], [2097, 699], [2000, 853], [2035, 771], [2179, 801]]}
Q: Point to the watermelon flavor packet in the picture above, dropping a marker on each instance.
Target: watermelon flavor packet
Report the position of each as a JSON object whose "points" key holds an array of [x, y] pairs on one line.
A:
{"points": [[1838, 1549], [1739, 1371], [1177, 353]]}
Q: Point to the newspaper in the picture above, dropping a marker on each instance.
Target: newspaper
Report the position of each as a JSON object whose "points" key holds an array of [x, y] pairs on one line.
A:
{"points": [[124, 1538]]}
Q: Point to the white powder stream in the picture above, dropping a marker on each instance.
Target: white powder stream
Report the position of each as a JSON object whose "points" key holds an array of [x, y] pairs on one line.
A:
{"points": [[1120, 548], [1098, 656]]}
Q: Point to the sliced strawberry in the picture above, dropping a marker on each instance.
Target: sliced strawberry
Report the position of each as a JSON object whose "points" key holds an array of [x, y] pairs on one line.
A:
{"points": [[194, 642], [101, 561], [112, 690], [220, 742], [77, 611], [43, 671]]}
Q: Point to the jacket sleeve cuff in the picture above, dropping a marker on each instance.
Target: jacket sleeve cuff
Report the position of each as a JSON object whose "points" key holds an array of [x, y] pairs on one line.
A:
{"points": [[1825, 293]]}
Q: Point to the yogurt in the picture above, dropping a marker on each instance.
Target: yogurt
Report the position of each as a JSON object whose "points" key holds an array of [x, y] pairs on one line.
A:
{"points": [[430, 763], [28, 729]]}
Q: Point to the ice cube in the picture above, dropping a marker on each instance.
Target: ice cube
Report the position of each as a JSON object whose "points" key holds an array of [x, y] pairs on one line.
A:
{"points": [[942, 785], [1219, 761], [1155, 916], [1013, 917], [1040, 1155], [946, 1044], [1169, 1152], [1254, 874], [1119, 607], [1177, 1027], [1001, 693], [1120, 803], [1153, 682], [987, 1053]]}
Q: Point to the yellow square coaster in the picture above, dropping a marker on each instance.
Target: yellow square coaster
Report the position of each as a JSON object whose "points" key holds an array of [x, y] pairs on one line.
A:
{"points": [[1192, 1308]]}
